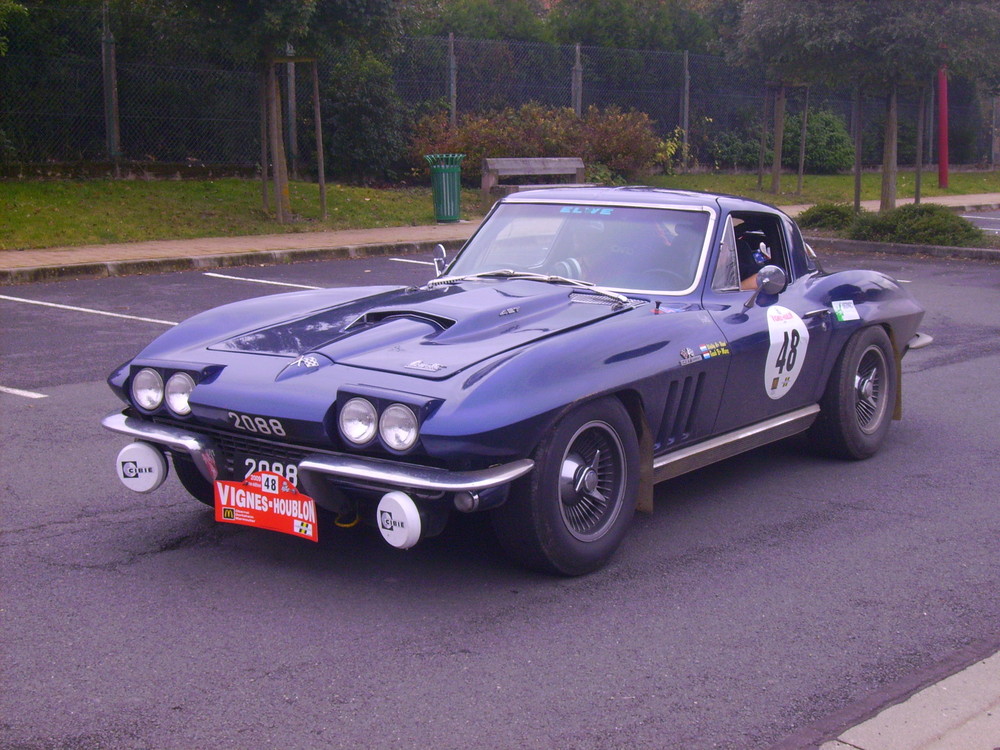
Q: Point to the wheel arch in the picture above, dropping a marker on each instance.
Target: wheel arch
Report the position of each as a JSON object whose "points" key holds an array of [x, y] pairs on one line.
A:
{"points": [[897, 352], [632, 402]]}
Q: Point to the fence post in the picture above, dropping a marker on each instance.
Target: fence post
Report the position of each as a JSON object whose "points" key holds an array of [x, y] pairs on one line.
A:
{"points": [[685, 113], [802, 141], [576, 84], [263, 139], [291, 131], [995, 140], [452, 80], [320, 158], [111, 125]]}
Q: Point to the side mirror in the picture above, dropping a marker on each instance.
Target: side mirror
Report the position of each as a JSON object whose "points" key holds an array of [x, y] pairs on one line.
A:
{"points": [[770, 280], [440, 259]]}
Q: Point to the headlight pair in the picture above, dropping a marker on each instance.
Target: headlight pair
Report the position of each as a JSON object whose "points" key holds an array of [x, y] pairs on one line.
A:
{"points": [[149, 392], [397, 426]]}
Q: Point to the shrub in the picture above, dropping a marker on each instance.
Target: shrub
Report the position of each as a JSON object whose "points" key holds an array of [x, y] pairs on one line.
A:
{"points": [[733, 150], [922, 224], [827, 216], [829, 148], [364, 129], [623, 142]]}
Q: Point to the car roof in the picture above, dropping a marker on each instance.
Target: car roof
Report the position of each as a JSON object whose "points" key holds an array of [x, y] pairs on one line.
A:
{"points": [[639, 195]]}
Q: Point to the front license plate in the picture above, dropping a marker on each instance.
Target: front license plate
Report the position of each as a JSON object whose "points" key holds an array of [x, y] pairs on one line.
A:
{"points": [[268, 501], [246, 465]]}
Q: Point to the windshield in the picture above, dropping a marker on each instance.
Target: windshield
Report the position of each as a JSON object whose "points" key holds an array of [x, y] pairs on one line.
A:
{"points": [[648, 249]]}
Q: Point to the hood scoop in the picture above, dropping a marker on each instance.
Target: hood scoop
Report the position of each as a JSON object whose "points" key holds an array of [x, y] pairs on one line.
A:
{"points": [[428, 333]]}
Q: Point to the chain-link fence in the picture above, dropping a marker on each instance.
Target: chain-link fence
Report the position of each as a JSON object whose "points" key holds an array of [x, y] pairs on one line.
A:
{"points": [[79, 103]]}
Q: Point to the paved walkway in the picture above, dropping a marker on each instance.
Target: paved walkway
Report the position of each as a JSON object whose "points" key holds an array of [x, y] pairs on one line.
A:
{"points": [[961, 712]]}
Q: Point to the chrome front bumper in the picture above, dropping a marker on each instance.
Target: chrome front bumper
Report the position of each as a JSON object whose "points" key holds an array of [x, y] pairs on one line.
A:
{"points": [[355, 471]]}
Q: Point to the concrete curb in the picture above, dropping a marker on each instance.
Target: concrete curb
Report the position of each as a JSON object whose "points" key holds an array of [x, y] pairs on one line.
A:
{"points": [[833, 244], [141, 266]]}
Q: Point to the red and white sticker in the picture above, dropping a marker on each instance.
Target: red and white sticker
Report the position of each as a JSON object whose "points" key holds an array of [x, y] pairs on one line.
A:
{"points": [[268, 501], [787, 352]]}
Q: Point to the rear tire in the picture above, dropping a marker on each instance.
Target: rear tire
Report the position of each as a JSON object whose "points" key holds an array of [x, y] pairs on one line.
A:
{"points": [[571, 513], [857, 407], [197, 486]]}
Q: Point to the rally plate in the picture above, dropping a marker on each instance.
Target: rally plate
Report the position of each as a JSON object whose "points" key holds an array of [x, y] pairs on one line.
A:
{"points": [[266, 500]]}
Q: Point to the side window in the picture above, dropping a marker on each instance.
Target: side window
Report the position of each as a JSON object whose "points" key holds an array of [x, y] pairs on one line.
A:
{"points": [[726, 277], [759, 242]]}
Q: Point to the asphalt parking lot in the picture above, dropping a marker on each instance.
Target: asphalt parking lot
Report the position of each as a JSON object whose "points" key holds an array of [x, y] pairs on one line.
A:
{"points": [[776, 595]]}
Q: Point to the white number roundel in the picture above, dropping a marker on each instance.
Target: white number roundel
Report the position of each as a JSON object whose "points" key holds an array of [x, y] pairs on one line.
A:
{"points": [[787, 352]]}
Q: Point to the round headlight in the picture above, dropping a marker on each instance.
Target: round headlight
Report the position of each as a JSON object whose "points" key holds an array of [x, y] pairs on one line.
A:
{"points": [[147, 389], [398, 427], [358, 421], [178, 390]]}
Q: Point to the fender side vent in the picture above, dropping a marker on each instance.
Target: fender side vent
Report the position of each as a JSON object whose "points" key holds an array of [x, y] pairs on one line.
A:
{"points": [[683, 397]]}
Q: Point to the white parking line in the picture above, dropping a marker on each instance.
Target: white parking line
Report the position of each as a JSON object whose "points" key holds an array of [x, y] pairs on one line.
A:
{"points": [[260, 281], [410, 260], [88, 310], [23, 394]]}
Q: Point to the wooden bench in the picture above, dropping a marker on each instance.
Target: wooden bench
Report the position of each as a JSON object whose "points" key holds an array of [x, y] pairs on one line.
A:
{"points": [[495, 168]]}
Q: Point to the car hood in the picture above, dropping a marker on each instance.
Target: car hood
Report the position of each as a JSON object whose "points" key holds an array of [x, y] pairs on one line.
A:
{"points": [[429, 333]]}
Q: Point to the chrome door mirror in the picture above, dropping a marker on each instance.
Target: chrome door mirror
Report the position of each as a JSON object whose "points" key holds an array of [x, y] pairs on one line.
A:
{"points": [[771, 280]]}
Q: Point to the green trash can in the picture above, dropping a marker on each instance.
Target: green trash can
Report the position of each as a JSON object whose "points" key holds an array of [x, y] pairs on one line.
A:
{"points": [[446, 185]]}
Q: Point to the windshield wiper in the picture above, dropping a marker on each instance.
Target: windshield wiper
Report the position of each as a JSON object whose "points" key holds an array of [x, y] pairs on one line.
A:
{"points": [[507, 273]]}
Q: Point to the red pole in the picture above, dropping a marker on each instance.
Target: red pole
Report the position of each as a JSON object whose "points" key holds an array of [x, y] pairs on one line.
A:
{"points": [[942, 127]]}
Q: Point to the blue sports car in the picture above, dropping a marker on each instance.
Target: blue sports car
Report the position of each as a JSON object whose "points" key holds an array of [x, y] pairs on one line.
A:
{"points": [[585, 344]]}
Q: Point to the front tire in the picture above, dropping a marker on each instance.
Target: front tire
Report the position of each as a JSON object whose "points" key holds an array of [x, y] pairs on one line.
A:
{"points": [[570, 514], [857, 407]]}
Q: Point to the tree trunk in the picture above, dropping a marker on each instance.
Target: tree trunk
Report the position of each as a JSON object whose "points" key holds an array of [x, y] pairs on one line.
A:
{"points": [[889, 151], [779, 134], [919, 166], [857, 148], [282, 202]]}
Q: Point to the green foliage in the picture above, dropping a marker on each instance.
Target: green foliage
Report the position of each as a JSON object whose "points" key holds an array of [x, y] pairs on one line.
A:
{"points": [[920, 224], [8, 9], [735, 150], [827, 216], [623, 142], [829, 148], [521, 20], [364, 120], [630, 24]]}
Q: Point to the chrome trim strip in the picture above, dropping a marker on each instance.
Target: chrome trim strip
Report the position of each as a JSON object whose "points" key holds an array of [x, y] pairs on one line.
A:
{"points": [[379, 472], [733, 443], [367, 472], [142, 429], [200, 448]]}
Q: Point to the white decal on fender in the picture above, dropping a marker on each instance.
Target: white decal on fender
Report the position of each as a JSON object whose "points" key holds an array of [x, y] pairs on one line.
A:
{"points": [[787, 352]]}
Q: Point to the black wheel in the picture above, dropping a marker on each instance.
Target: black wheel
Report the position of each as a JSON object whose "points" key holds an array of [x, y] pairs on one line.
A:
{"points": [[570, 514], [857, 407], [197, 486]]}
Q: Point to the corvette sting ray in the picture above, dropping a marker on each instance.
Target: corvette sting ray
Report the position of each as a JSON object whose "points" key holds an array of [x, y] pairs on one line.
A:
{"points": [[584, 345]]}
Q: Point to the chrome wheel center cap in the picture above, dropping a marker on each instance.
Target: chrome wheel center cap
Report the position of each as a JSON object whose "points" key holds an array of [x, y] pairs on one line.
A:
{"points": [[587, 481], [866, 388]]}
